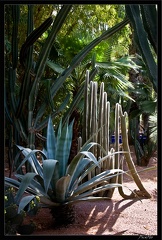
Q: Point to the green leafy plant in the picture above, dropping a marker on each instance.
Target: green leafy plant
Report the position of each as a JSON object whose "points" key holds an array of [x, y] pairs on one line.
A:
{"points": [[144, 150], [14, 218], [144, 21], [26, 108], [59, 184], [115, 77]]}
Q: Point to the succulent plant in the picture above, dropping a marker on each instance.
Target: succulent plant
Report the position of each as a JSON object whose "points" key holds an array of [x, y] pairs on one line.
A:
{"points": [[56, 182], [13, 218]]}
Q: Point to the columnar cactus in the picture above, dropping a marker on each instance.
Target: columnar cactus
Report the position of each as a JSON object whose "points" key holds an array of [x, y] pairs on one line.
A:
{"points": [[96, 128]]}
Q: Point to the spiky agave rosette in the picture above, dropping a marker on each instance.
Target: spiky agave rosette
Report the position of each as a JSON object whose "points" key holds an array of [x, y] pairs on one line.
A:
{"points": [[58, 184]]}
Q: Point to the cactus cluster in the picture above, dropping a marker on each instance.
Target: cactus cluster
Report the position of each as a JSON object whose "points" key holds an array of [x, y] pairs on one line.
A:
{"points": [[96, 127]]}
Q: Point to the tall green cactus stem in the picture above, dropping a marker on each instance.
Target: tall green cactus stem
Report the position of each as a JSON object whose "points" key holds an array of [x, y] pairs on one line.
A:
{"points": [[100, 118], [96, 120], [105, 129], [116, 158], [108, 132], [93, 85], [117, 127], [92, 119], [26, 83], [143, 192], [16, 18], [31, 135]]}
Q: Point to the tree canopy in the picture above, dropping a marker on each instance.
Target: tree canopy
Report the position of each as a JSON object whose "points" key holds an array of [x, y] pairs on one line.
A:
{"points": [[88, 36]]}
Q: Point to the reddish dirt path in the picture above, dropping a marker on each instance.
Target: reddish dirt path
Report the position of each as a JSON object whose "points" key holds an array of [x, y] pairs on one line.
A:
{"points": [[112, 217]]}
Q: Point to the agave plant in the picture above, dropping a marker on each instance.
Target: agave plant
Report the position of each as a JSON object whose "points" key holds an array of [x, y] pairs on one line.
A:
{"points": [[57, 183]]}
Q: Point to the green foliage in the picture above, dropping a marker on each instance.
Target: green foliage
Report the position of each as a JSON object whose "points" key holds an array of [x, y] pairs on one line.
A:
{"points": [[23, 85], [144, 21], [88, 22], [26, 104], [115, 76], [13, 217], [145, 105], [34, 92], [144, 149]]}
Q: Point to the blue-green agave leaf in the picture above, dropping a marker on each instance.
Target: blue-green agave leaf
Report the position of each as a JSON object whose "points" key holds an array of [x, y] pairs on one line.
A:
{"points": [[63, 147], [78, 171], [25, 152], [97, 190], [24, 202], [51, 140], [61, 188], [91, 157], [99, 179], [30, 156], [59, 131], [93, 166], [91, 198], [37, 185], [72, 166], [26, 180], [48, 170], [12, 182], [55, 177]]}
